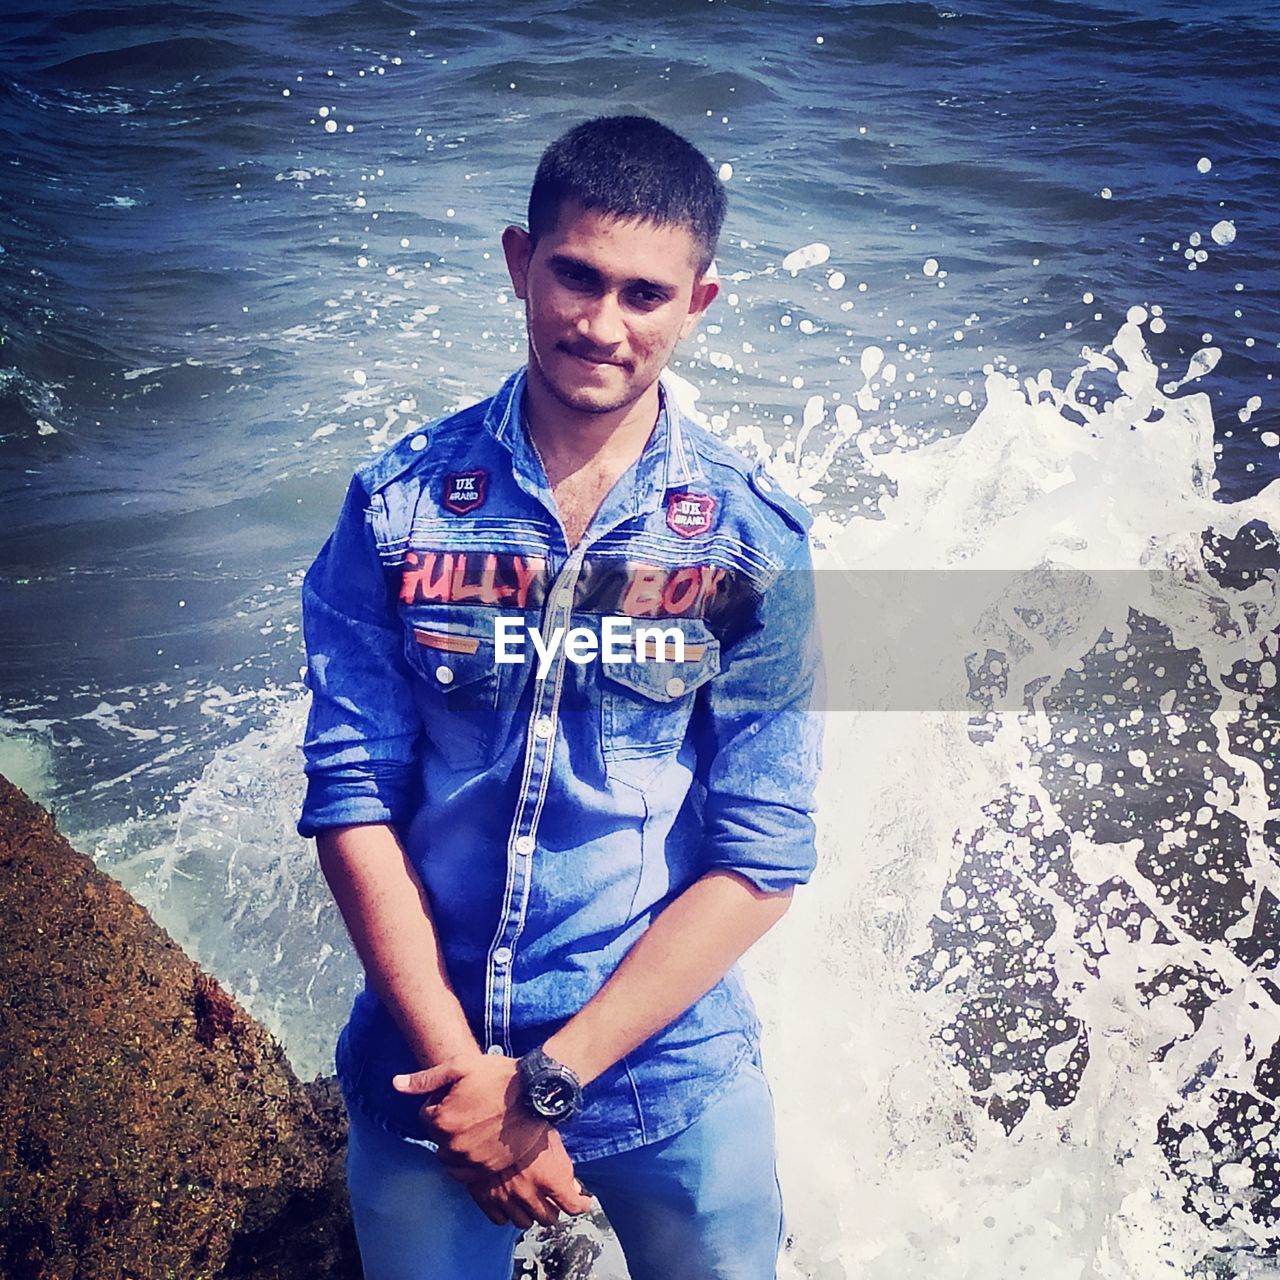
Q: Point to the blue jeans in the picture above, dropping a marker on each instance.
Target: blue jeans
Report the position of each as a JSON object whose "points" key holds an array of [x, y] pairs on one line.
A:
{"points": [[703, 1204]]}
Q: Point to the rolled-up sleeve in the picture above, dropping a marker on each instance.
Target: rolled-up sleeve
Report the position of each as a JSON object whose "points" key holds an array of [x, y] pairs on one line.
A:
{"points": [[761, 740], [363, 729]]}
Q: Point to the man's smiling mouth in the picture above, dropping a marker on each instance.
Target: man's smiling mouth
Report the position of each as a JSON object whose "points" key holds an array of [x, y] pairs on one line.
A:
{"points": [[594, 361]]}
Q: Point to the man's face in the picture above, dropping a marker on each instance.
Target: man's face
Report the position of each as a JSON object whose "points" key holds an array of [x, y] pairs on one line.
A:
{"points": [[606, 301]]}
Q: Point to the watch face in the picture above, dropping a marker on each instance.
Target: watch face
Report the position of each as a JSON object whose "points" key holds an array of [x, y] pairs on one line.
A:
{"points": [[552, 1097], [551, 1090]]}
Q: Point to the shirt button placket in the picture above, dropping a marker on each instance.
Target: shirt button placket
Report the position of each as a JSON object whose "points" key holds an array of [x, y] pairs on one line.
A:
{"points": [[539, 744]]}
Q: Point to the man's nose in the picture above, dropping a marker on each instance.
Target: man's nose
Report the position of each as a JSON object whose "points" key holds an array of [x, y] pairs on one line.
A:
{"points": [[601, 321]]}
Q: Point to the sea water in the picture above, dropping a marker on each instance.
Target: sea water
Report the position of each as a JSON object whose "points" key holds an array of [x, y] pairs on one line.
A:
{"points": [[998, 302]]}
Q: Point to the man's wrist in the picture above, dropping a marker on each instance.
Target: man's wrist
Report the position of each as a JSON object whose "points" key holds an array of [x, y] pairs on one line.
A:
{"points": [[469, 1054], [568, 1047]]}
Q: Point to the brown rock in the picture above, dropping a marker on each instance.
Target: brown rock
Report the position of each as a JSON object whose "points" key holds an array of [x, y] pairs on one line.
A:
{"points": [[148, 1126]]}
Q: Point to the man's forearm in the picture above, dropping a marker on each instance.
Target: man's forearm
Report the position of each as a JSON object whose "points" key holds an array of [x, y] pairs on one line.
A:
{"points": [[389, 919], [680, 957]]}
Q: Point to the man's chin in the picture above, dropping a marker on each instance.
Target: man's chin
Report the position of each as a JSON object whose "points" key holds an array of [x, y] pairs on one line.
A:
{"points": [[590, 399]]}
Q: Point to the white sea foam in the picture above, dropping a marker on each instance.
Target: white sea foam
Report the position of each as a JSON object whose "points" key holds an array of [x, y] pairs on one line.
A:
{"points": [[809, 255], [26, 758], [892, 1163]]}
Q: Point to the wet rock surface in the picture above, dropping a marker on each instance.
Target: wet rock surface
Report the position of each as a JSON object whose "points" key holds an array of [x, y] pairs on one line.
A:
{"points": [[148, 1126]]}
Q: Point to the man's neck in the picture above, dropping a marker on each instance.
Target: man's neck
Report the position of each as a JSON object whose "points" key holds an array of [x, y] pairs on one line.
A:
{"points": [[570, 441]]}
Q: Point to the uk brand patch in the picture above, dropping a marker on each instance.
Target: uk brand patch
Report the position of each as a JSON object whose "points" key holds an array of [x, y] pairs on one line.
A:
{"points": [[464, 491], [689, 514]]}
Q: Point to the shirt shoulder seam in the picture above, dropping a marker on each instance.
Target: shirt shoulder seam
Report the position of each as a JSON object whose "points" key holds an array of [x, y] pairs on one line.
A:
{"points": [[395, 462]]}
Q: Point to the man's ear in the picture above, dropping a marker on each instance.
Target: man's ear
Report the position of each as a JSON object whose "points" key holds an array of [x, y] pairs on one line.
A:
{"points": [[517, 247], [703, 295]]}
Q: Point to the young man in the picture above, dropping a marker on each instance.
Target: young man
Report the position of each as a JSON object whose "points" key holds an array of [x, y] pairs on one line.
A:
{"points": [[550, 833]]}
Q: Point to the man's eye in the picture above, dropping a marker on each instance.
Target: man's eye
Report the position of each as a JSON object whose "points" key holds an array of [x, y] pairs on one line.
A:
{"points": [[573, 278], [647, 297]]}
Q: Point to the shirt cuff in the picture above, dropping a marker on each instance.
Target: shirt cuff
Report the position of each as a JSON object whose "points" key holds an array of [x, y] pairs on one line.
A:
{"points": [[341, 798], [773, 860]]}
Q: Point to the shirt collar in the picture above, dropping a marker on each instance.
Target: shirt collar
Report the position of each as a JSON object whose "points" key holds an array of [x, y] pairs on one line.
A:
{"points": [[503, 415], [668, 460], [683, 465]]}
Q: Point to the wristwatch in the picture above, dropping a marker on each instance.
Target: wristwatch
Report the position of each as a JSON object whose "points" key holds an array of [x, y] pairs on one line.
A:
{"points": [[549, 1088]]}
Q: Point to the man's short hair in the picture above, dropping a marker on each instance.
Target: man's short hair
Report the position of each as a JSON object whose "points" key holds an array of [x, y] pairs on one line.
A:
{"points": [[630, 167]]}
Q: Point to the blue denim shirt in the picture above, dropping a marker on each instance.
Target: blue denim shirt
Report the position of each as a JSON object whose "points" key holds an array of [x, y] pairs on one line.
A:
{"points": [[552, 814]]}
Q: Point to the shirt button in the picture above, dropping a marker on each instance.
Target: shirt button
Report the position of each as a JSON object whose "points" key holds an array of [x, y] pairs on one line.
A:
{"points": [[494, 1050], [418, 443], [524, 844], [675, 686], [542, 727], [444, 675], [502, 956]]}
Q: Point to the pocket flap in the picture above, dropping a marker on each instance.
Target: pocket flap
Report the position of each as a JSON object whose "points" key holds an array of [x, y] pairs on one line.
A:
{"points": [[656, 675], [449, 657]]}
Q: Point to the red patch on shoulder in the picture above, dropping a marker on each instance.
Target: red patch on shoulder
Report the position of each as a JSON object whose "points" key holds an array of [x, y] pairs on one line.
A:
{"points": [[689, 514], [464, 491]]}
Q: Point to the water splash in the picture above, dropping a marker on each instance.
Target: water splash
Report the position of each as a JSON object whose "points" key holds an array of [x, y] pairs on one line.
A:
{"points": [[1038, 1032]]}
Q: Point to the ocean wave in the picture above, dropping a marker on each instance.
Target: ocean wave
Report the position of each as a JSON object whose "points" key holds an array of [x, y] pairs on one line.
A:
{"points": [[148, 62]]}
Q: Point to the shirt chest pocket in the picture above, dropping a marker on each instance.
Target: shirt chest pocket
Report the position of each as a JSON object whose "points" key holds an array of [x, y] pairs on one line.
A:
{"points": [[647, 702], [458, 689]]}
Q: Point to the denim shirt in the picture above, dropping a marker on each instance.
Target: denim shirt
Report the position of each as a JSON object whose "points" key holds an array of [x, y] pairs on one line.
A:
{"points": [[551, 814]]}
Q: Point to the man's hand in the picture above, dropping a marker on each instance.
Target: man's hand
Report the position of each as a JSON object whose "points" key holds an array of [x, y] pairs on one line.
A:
{"points": [[476, 1116], [535, 1191]]}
